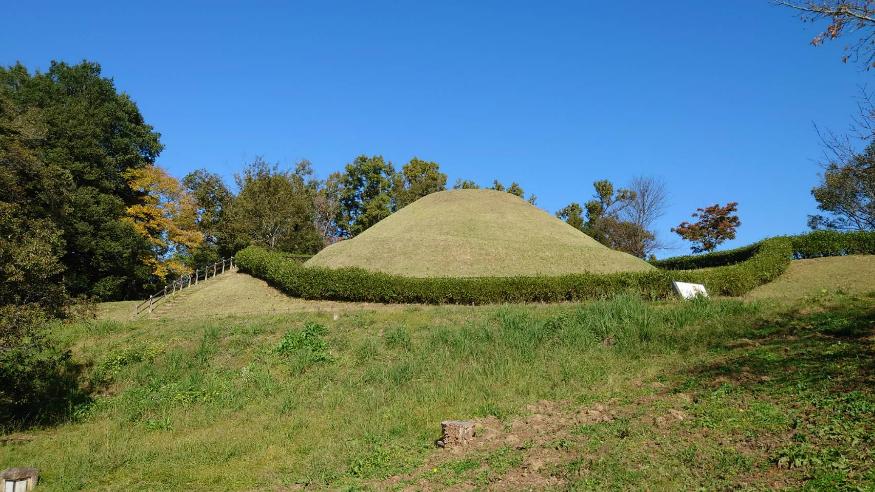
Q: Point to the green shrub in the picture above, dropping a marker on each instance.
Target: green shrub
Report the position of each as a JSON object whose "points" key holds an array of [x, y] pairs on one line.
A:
{"points": [[767, 261], [833, 243], [707, 260], [811, 245], [297, 258], [107, 369], [38, 379]]}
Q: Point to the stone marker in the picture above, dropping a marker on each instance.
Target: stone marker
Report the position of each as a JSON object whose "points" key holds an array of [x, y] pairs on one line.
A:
{"points": [[689, 291], [456, 433], [19, 479]]}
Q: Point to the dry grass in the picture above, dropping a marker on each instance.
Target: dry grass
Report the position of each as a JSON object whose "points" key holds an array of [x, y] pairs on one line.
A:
{"points": [[230, 294], [847, 274], [469, 233]]}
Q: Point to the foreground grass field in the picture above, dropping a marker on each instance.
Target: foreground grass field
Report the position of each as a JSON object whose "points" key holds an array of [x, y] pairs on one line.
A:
{"points": [[612, 394]]}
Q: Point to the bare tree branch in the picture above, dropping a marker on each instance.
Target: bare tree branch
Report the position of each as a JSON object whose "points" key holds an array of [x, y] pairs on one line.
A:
{"points": [[859, 10], [844, 16]]}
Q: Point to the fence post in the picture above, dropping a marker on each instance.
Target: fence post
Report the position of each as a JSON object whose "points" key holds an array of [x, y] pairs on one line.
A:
{"points": [[215, 265], [150, 303], [223, 265], [196, 275], [232, 262]]}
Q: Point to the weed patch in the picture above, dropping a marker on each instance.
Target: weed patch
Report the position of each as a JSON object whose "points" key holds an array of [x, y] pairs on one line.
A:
{"points": [[304, 348]]}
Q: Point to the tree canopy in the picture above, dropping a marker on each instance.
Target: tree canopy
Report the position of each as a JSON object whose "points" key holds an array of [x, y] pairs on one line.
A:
{"points": [[88, 136], [417, 179], [846, 193], [620, 218], [274, 208], [365, 194], [845, 18], [716, 224], [212, 198], [166, 217]]}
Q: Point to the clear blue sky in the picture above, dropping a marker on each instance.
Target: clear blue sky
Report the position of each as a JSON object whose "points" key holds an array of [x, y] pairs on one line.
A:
{"points": [[716, 98]]}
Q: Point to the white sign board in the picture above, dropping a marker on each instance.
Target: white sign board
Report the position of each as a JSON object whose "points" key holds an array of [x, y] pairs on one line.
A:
{"points": [[689, 291]]}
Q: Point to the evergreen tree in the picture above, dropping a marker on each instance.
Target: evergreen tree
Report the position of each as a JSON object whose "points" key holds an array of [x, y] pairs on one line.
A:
{"points": [[90, 137]]}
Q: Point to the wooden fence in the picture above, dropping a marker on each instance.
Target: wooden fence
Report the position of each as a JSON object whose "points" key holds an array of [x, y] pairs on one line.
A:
{"points": [[184, 282]]}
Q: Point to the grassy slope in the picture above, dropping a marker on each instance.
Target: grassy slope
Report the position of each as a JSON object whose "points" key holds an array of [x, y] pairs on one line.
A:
{"points": [[619, 393], [849, 274], [467, 233], [229, 294], [236, 294], [179, 395]]}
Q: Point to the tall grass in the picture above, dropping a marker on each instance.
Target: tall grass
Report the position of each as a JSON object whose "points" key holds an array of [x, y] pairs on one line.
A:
{"points": [[278, 400]]}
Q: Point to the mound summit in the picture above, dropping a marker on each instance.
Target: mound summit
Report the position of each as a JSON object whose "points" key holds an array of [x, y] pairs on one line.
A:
{"points": [[474, 233]]}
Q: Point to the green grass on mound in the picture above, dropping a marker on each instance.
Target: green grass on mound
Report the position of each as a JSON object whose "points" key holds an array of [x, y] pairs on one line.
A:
{"points": [[475, 233]]}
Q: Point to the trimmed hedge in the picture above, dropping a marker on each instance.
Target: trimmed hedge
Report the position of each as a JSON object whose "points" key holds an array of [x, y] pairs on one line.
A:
{"points": [[708, 260], [810, 245], [732, 273], [767, 261], [833, 243], [297, 258]]}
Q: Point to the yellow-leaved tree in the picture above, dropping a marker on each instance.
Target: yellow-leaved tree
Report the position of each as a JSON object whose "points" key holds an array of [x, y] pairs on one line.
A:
{"points": [[166, 216]]}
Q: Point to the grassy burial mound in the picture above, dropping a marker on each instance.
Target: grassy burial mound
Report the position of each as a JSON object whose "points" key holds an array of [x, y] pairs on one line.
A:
{"points": [[475, 233], [726, 273]]}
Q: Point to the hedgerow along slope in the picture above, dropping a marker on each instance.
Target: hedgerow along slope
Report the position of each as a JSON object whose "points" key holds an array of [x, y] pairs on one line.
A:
{"points": [[731, 273], [475, 233], [767, 261]]}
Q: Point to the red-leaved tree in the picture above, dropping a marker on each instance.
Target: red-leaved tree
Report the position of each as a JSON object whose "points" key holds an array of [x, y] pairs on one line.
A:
{"points": [[715, 225]]}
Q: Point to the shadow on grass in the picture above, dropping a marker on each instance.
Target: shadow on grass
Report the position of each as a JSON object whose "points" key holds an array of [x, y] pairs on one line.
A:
{"points": [[815, 366], [39, 388], [832, 348]]}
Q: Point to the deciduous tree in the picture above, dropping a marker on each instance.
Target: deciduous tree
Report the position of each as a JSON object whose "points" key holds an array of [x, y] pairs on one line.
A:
{"points": [[275, 209], [365, 194], [847, 193], [417, 179], [619, 218], [327, 209], [34, 197], [37, 378], [852, 18], [604, 221], [716, 224], [212, 199], [465, 184], [166, 217], [647, 204]]}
